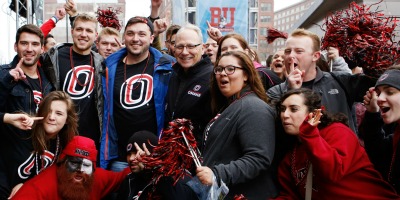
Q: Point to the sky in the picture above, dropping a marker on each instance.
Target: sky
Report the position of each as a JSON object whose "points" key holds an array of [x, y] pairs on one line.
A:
{"points": [[279, 4], [136, 8]]}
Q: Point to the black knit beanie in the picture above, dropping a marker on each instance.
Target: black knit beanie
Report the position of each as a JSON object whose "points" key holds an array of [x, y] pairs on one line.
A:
{"points": [[390, 77], [140, 137]]}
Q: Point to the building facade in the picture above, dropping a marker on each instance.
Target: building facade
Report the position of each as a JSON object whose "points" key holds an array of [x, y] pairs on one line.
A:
{"points": [[266, 19], [286, 18]]}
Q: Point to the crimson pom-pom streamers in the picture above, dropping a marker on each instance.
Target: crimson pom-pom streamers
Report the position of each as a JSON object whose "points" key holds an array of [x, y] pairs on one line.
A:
{"points": [[173, 155], [273, 34], [364, 38], [239, 197], [108, 18]]}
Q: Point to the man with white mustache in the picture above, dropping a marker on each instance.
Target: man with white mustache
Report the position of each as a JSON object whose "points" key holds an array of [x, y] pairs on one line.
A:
{"points": [[338, 90]]}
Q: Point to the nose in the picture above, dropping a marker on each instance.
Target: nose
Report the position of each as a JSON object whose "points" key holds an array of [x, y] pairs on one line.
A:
{"points": [[185, 50], [132, 157], [381, 98], [84, 33], [29, 47], [51, 116], [285, 114]]}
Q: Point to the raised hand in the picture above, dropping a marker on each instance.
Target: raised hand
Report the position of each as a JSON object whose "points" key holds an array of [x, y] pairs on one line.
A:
{"points": [[314, 118], [371, 100], [213, 33], [70, 7], [295, 76], [160, 25], [119, 43], [60, 13], [333, 53], [17, 73]]}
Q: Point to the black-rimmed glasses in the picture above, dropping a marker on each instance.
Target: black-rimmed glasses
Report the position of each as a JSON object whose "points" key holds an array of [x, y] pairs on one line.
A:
{"points": [[230, 69], [181, 47]]}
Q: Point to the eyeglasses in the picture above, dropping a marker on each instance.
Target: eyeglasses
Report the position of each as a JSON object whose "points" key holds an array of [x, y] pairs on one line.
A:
{"points": [[179, 48], [230, 69], [212, 44]]}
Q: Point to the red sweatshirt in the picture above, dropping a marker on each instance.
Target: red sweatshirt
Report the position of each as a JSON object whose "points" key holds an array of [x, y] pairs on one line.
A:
{"points": [[341, 167], [47, 26], [44, 186]]}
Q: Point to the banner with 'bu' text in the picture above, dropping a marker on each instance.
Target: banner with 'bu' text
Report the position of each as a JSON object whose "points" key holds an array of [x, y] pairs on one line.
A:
{"points": [[227, 15]]}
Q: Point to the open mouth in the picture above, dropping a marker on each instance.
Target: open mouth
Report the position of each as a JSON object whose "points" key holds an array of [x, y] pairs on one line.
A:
{"points": [[78, 178], [278, 65], [385, 109], [224, 82]]}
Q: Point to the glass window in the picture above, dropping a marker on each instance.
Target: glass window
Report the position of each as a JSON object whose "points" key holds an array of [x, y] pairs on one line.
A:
{"points": [[253, 36], [266, 6], [253, 19], [263, 31], [265, 18]]}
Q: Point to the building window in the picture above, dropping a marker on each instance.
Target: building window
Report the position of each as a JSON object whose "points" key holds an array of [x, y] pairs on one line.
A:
{"points": [[253, 37], [265, 18], [266, 7], [253, 3], [191, 3], [263, 31], [192, 17], [253, 19]]}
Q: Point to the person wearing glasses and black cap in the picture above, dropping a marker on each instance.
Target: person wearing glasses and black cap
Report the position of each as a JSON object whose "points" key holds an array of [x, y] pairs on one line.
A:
{"points": [[188, 92]]}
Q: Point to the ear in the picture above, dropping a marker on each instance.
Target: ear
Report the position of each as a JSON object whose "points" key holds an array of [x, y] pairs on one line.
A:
{"points": [[42, 49], [151, 39], [15, 47], [316, 55]]}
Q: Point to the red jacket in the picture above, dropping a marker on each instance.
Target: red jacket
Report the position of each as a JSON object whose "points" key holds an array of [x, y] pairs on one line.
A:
{"points": [[341, 167], [47, 26], [44, 186]]}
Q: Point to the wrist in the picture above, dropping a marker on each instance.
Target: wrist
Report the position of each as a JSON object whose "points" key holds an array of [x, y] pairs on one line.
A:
{"points": [[153, 19], [55, 19]]}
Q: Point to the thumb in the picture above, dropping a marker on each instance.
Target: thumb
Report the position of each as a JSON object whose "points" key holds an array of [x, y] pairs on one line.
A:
{"points": [[374, 95]]}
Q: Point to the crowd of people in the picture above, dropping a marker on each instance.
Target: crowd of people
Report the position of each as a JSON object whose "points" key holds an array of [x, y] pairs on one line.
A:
{"points": [[77, 118]]}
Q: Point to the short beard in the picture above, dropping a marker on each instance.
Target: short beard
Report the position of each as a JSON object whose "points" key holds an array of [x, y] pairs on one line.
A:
{"points": [[71, 190]]}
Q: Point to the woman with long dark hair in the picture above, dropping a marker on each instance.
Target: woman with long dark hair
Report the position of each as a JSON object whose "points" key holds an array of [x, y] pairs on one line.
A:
{"points": [[49, 135], [240, 140], [326, 160]]}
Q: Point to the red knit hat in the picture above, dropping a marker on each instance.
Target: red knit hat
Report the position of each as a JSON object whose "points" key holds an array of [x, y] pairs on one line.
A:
{"points": [[82, 147]]}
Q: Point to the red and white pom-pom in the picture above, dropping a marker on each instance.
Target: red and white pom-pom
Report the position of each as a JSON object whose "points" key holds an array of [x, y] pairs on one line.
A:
{"points": [[108, 18], [364, 38], [172, 156], [273, 34]]}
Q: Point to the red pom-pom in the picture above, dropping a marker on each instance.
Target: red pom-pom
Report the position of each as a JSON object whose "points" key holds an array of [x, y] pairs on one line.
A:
{"points": [[108, 18], [273, 34], [172, 156], [239, 197], [364, 38]]}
